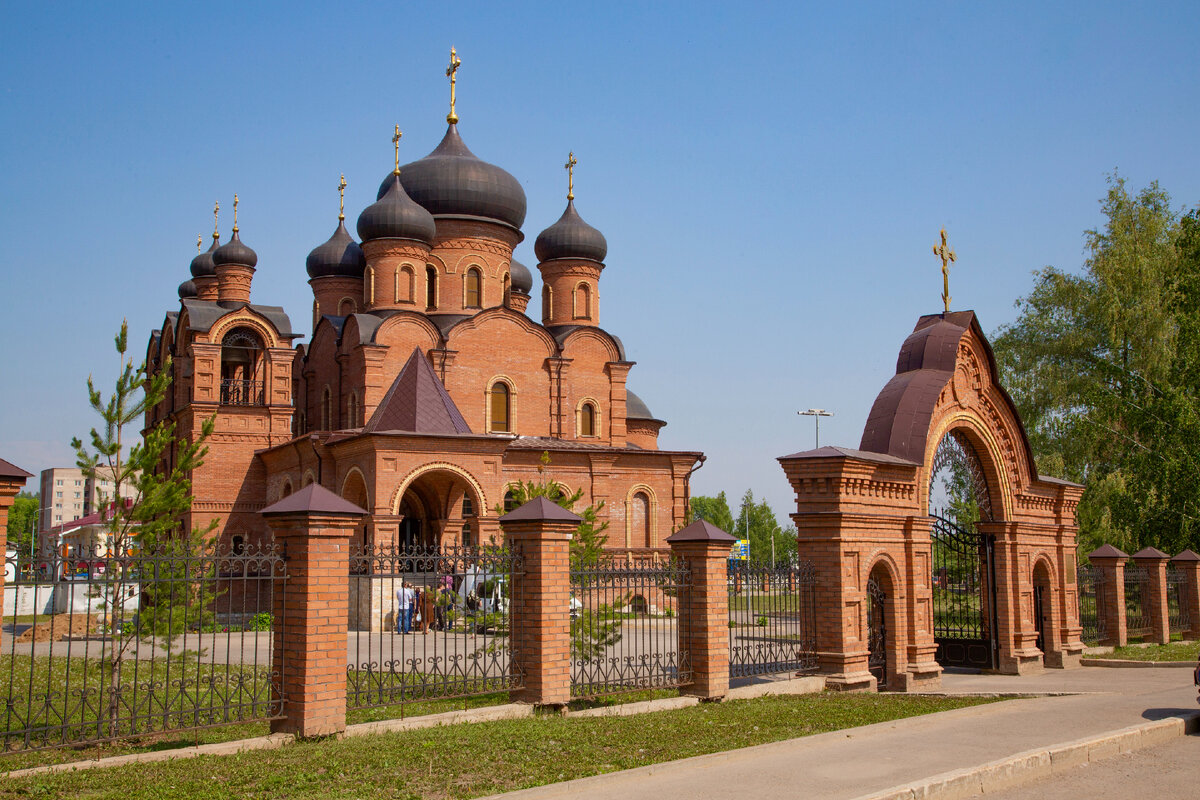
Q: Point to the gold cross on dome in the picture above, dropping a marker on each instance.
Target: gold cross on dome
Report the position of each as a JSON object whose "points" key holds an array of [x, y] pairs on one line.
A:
{"points": [[396, 144], [570, 167], [216, 233], [948, 257], [455, 63], [199, 243], [235, 204], [342, 198]]}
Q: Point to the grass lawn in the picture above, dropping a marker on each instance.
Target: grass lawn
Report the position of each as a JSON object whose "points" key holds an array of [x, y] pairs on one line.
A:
{"points": [[464, 761], [1175, 651]]}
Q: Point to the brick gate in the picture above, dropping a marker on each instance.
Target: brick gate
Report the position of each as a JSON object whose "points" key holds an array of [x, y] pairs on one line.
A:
{"points": [[867, 515]]}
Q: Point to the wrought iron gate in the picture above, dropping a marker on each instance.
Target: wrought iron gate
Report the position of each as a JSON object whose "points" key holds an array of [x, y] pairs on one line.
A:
{"points": [[876, 633], [964, 595]]}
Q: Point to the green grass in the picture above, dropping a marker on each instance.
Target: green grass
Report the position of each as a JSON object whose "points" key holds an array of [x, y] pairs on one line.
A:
{"points": [[1175, 651], [466, 761]]}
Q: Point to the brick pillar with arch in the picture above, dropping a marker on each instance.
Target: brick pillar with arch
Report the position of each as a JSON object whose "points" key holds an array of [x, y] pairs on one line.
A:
{"points": [[1154, 595], [704, 617], [313, 528], [1110, 599], [1188, 563], [540, 532]]}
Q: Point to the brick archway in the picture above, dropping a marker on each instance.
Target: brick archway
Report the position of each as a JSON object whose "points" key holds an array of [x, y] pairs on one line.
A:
{"points": [[855, 505]]}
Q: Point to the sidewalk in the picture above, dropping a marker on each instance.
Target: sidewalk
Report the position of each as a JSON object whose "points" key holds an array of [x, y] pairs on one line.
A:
{"points": [[865, 762]]}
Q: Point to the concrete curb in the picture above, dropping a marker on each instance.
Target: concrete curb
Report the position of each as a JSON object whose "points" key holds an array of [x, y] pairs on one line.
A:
{"points": [[1126, 663], [484, 714], [1023, 767]]}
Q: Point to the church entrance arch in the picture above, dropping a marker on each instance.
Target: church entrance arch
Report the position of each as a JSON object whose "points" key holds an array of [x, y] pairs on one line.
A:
{"points": [[964, 557], [438, 507]]}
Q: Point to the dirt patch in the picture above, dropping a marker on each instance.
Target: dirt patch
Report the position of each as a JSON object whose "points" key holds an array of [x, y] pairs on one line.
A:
{"points": [[58, 627]]}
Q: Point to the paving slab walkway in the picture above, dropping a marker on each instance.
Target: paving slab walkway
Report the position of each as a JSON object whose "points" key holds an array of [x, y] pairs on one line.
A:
{"points": [[877, 760]]}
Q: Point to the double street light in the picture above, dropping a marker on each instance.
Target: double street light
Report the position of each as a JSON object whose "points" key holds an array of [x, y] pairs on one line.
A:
{"points": [[816, 414]]}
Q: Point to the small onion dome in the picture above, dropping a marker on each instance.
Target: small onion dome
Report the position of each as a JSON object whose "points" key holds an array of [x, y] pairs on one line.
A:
{"points": [[187, 289], [452, 182], [340, 256], [234, 252], [202, 265], [395, 216], [570, 237], [519, 278], [636, 408]]}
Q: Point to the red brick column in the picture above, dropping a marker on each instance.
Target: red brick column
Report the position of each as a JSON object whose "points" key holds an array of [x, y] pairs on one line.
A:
{"points": [[1188, 563], [1154, 592], [540, 628], [1110, 599], [704, 616], [313, 528]]}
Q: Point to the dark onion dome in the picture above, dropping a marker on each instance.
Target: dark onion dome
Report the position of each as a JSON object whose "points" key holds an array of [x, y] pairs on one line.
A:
{"points": [[202, 265], [234, 252], [339, 257], [395, 216], [636, 408], [519, 278], [452, 182], [187, 289], [570, 237]]}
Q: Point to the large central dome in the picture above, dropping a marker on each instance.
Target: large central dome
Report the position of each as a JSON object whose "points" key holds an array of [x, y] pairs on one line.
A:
{"points": [[451, 182]]}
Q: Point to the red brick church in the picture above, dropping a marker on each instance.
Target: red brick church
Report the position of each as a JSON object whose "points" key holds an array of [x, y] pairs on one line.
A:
{"points": [[426, 390]]}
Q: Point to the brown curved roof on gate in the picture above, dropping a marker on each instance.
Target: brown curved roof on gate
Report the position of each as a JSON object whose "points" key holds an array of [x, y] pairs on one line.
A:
{"points": [[898, 424]]}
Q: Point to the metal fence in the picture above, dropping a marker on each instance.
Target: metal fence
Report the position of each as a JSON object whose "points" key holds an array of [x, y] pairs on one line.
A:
{"points": [[625, 625], [1091, 620], [429, 623], [97, 647], [1177, 611], [1137, 585], [772, 618]]}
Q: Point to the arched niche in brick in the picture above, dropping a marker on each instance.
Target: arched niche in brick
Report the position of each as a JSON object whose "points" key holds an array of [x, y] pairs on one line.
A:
{"points": [[856, 506]]}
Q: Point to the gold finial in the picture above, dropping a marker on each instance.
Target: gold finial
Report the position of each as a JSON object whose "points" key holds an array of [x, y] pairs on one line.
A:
{"points": [[455, 63], [342, 198], [216, 232], [948, 257], [396, 144], [570, 167], [199, 242], [235, 202]]}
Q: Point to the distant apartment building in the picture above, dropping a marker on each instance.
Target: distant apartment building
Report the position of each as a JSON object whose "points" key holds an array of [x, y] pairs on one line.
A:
{"points": [[68, 494]]}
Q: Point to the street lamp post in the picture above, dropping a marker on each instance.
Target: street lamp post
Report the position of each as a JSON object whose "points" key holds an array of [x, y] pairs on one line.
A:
{"points": [[816, 414]]}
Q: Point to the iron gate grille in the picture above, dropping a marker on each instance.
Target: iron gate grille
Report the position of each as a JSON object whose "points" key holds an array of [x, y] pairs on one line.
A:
{"points": [[1091, 620], [877, 633], [772, 618], [455, 640], [964, 595], [100, 647], [626, 632], [1177, 610], [1137, 622]]}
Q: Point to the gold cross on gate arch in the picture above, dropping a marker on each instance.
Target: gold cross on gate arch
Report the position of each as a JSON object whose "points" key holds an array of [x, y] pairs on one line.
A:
{"points": [[948, 257]]}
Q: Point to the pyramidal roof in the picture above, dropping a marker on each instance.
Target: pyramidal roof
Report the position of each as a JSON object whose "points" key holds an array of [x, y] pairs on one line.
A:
{"points": [[417, 403]]}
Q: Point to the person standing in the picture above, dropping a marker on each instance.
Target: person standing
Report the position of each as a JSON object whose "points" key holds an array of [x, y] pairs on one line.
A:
{"points": [[404, 607]]}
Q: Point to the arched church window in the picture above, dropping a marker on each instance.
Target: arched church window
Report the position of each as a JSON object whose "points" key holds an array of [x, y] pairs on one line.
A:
{"points": [[346, 307], [468, 508], [369, 288], [326, 410], [241, 368], [510, 501], [431, 289], [507, 293], [472, 299], [583, 301], [500, 417], [641, 520], [587, 420], [547, 303], [404, 285]]}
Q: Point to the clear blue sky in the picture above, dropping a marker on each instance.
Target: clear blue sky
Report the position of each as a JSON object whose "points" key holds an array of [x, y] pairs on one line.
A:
{"points": [[770, 177]]}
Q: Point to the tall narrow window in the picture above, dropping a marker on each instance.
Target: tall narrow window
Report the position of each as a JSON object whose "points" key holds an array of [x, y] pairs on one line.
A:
{"points": [[547, 303], [326, 409], [587, 420], [369, 294], [510, 501], [431, 292], [507, 292], [472, 289], [641, 520], [352, 410], [404, 285], [583, 301], [346, 307], [500, 419]]}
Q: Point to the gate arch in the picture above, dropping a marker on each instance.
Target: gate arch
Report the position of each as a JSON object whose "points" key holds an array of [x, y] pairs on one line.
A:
{"points": [[854, 503]]}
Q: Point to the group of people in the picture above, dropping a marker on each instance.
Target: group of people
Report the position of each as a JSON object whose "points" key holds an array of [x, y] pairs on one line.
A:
{"points": [[420, 606]]}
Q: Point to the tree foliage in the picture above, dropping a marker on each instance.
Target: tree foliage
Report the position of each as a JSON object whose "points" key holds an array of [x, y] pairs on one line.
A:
{"points": [[22, 521], [754, 521], [1104, 367]]}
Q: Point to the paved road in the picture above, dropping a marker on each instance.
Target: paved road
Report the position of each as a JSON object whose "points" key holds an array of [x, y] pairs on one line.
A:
{"points": [[1167, 772]]}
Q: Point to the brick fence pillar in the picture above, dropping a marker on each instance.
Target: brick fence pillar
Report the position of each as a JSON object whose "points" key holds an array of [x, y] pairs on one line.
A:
{"points": [[1188, 563], [12, 480], [1110, 598], [540, 627], [1154, 592], [704, 618], [313, 529]]}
